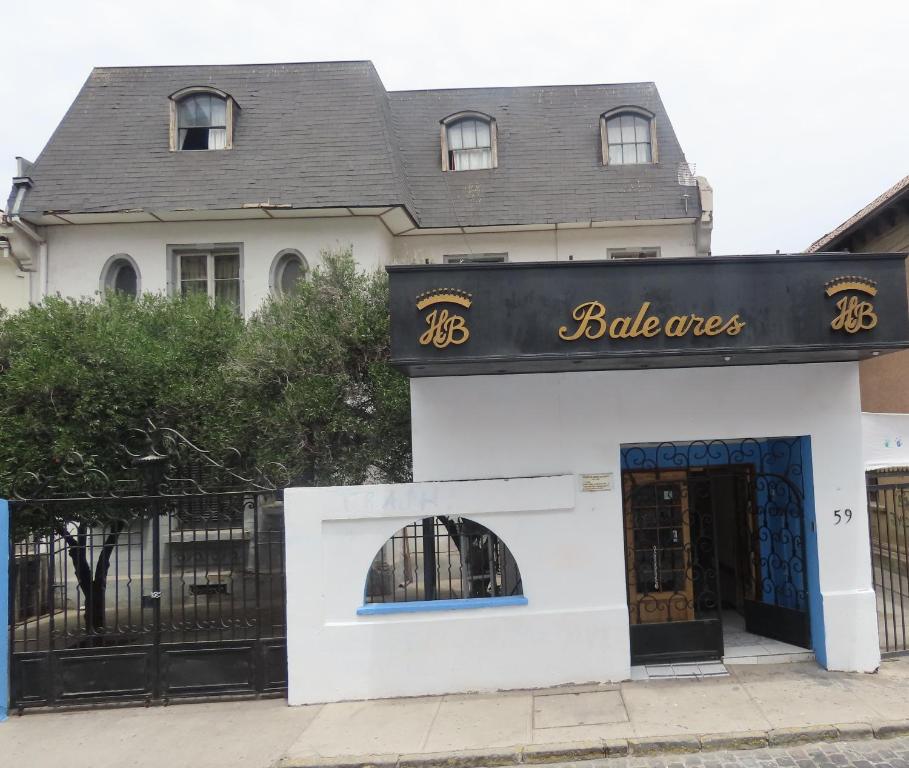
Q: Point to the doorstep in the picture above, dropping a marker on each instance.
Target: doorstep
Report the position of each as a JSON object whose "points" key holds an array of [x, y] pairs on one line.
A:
{"points": [[688, 669], [767, 652]]}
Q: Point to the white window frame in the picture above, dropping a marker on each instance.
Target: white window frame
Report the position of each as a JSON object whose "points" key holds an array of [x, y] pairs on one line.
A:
{"points": [[475, 258], [637, 112], [469, 115], [178, 96], [209, 250], [651, 252]]}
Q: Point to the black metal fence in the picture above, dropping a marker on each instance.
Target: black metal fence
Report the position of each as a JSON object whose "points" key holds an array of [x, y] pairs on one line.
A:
{"points": [[166, 582], [441, 558], [888, 505]]}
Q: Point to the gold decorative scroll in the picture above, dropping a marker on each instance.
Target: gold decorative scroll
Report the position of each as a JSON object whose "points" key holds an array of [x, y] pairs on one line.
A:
{"points": [[591, 322]]}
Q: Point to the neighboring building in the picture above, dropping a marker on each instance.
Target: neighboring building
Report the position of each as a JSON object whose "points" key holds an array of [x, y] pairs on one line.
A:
{"points": [[14, 276], [233, 179], [881, 226]]}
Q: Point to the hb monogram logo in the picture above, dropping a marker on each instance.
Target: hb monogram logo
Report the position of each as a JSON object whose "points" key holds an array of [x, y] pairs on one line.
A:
{"points": [[856, 312], [444, 326]]}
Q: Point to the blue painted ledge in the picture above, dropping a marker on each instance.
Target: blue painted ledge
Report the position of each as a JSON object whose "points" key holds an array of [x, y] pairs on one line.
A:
{"points": [[420, 606]]}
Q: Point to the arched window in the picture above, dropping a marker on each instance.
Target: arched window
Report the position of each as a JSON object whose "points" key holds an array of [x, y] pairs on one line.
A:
{"points": [[288, 269], [201, 118], [443, 558], [121, 275], [628, 136], [468, 142]]}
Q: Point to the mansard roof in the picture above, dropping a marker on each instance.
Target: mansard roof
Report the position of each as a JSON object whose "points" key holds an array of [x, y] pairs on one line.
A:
{"points": [[328, 135]]}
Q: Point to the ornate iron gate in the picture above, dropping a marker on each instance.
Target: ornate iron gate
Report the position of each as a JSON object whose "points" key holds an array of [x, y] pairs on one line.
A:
{"points": [[165, 582], [888, 505], [708, 526]]}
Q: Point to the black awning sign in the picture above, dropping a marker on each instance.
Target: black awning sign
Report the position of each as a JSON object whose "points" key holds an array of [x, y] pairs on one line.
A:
{"points": [[543, 317]]}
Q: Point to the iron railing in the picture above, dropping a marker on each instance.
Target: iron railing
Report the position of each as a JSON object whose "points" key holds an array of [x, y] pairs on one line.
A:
{"points": [[888, 505], [165, 580], [441, 558]]}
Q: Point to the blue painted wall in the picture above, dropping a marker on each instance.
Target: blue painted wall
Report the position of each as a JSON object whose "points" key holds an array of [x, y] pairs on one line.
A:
{"points": [[815, 602], [4, 607]]}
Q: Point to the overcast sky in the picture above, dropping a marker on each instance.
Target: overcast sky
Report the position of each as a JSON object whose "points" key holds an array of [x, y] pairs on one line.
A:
{"points": [[796, 112]]}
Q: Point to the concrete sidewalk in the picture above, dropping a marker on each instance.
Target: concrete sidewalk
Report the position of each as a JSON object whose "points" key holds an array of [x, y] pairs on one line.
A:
{"points": [[753, 706]]}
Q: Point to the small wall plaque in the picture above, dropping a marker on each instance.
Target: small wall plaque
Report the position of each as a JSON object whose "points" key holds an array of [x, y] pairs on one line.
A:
{"points": [[596, 483]]}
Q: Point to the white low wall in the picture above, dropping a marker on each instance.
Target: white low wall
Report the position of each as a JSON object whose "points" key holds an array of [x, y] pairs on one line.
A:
{"points": [[565, 544]]}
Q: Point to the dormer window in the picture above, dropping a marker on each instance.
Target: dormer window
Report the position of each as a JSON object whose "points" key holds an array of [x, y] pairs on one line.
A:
{"points": [[201, 118], [468, 142], [629, 137]]}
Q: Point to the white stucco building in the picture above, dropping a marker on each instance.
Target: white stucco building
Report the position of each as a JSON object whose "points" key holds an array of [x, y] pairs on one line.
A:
{"points": [[616, 464], [233, 179]]}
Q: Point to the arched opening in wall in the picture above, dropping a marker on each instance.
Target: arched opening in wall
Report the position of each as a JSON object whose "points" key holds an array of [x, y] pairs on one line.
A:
{"points": [[442, 558], [287, 270], [120, 275]]}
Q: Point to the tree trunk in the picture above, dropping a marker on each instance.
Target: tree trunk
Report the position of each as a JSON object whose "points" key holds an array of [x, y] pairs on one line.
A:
{"points": [[94, 587]]}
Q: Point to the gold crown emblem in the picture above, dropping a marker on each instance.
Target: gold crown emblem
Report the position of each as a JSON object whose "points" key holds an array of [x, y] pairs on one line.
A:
{"points": [[444, 296], [851, 283]]}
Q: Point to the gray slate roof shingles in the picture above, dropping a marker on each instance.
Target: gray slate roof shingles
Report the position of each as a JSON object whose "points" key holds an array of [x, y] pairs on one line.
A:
{"points": [[317, 135]]}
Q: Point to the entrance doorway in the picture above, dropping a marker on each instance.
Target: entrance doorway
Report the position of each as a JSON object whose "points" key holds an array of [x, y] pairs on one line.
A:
{"points": [[714, 541]]}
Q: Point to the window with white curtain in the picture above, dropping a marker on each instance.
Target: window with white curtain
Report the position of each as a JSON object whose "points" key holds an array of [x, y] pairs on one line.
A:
{"points": [[202, 122], [470, 144], [214, 272], [629, 139]]}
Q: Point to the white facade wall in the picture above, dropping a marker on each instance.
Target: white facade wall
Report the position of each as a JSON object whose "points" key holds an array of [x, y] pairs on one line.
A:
{"points": [[549, 245], [531, 435], [14, 286], [77, 254], [518, 426]]}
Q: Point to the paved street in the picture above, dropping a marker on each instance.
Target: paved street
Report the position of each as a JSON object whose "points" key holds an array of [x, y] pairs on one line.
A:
{"points": [[887, 753]]}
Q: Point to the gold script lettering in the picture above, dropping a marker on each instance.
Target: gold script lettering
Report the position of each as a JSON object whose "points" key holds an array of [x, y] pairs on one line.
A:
{"points": [[589, 317], [444, 329], [593, 324], [651, 327], [713, 325], [733, 326], [854, 315], [620, 328], [677, 325]]}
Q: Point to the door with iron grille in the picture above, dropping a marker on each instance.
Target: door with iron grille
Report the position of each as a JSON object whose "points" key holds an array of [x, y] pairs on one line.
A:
{"points": [[671, 569], [713, 529], [165, 582]]}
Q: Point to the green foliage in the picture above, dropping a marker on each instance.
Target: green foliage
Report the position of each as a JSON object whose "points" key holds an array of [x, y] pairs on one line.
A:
{"points": [[76, 375], [311, 386], [306, 382]]}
